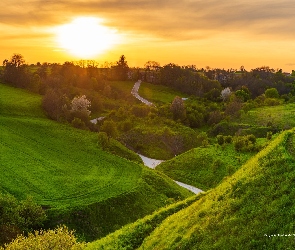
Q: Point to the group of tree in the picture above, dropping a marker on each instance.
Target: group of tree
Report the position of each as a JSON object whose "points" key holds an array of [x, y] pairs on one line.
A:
{"points": [[19, 217]]}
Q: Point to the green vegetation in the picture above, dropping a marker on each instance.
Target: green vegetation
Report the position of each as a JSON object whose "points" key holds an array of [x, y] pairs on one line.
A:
{"points": [[277, 117], [88, 176], [65, 171], [158, 93], [18, 217], [59, 238], [252, 209], [205, 167], [132, 235], [246, 211]]}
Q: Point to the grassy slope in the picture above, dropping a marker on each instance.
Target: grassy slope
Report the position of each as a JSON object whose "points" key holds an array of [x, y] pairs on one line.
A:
{"points": [[243, 212], [256, 202], [158, 93], [204, 167], [132, 235], [62, 168], [281, 116]]}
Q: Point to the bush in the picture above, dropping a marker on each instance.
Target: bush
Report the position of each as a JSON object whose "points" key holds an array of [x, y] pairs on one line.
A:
{"points": [[269, 135], [78, 123], [272, 102], [220, 139], [228, 139], [18, 217], [60, 238], [271, 93], [110, 128], [245, 143], [251, 138], [103, 140]]}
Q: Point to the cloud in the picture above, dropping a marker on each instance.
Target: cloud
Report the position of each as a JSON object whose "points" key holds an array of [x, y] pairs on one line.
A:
{"points": [[168, 19]]}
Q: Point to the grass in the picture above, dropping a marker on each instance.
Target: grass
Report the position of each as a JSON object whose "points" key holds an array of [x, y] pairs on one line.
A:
{"points": [[241, 213], [205, 167], [281, 116], [158, 93], [248, 210], [132, 235], [64, 170]]}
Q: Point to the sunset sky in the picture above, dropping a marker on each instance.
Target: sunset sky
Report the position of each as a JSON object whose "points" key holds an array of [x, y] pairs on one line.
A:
{"points": [[224, 34]]}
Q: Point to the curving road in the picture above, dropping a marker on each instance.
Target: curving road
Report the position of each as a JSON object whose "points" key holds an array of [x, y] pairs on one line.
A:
{"points": [[152, 163], [134, 92]]}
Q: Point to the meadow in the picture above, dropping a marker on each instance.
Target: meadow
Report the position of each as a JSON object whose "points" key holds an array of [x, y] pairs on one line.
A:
{"points": [[205, 167], [158, 93], [280, 116], [252, 209], [65, 171]]}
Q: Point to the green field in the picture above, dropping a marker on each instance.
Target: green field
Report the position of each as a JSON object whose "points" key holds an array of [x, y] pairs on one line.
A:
{"points": [[158, 93], [252, 209], [56, 164], [205, 167], [64, 169], [281, 116]]}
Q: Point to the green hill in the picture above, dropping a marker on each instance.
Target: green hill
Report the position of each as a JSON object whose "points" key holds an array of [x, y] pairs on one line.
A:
{"points": [[64, 170], [252, 209], [205, 167]]}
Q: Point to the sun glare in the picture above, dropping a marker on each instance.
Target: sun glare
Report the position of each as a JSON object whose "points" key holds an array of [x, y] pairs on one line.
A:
{"points": [[86, 37]]}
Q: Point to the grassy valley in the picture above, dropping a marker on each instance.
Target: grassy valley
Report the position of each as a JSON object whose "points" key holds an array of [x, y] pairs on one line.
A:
{"points": [[252, 209], [205, 167], [225, 132], [67, 173]]}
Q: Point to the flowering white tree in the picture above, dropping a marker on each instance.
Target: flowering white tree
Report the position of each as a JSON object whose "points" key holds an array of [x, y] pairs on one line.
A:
{"points": [[81, 104], [225, 94]]}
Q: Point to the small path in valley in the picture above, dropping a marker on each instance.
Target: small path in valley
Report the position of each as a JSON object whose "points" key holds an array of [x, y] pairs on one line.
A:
{"points": [[152, 163]]}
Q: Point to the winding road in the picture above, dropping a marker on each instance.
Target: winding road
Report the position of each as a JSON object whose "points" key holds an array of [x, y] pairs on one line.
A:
{"points": [[152, 163], [134, 92]]}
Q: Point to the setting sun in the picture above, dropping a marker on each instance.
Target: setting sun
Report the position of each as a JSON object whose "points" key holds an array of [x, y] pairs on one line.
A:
{"points": [[86, 37]]}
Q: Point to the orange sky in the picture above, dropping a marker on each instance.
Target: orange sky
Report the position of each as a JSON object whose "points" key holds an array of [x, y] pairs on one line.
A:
{"points": [[225, 34]]}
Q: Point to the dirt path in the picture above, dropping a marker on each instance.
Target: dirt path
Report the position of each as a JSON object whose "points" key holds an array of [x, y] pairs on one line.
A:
{"points": [[134, 92], [152, 163]]}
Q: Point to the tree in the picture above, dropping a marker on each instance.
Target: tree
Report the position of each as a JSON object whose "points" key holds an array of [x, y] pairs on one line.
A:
{"points": [[225, 94], [14, 71], [242, 95], [79, 108], [110, 128], [272, 93], [53, 103], [178, 109], [18, 217], [121, 69]]}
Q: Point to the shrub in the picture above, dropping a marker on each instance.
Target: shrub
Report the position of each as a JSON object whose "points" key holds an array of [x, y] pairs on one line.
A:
{"points": [[215, 117], [251, 138], [60, 238], [17, 217], [245, 143], [220, 139], [228, 139], [269, 135], [178, 109], [103, 140], [78, 123], [272, 102], [271, 93], [110, 128]]}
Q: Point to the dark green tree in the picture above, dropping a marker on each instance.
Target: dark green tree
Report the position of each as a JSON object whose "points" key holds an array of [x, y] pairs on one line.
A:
{"points": [[121, 69]]}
